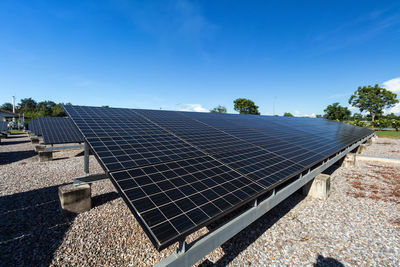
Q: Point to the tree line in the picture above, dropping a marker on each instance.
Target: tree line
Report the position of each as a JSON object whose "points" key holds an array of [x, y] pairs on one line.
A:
{"points": [[32, 109], [370, 100]]}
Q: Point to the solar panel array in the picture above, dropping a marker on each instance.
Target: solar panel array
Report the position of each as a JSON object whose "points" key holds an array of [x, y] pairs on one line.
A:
{"points": [[57, 130], [3, 126], [179, 171], [34, 127]]}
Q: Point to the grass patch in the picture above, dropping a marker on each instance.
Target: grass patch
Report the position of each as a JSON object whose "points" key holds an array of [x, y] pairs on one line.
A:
{"points": [[16, 131], [390, 134]]}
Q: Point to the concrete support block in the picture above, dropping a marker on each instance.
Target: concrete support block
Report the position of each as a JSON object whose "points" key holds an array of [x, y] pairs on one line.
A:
{"points": [[349, 161], [319, 187], [369, 142], [45, 156], [35, 141], [39, 148], [75, 199], [361, 149]]}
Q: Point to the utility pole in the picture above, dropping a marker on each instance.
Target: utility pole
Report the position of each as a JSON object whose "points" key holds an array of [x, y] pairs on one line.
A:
{"points": [[13, 101]]}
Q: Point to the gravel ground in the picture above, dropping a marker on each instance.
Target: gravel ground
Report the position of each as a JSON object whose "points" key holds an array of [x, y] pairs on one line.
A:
{"points": [[391, 150], [358, 225]]}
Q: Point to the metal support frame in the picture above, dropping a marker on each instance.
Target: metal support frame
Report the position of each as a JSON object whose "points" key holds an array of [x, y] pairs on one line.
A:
{"points": [[86, 158], [189, 254], [58, 148], [87, 178]]}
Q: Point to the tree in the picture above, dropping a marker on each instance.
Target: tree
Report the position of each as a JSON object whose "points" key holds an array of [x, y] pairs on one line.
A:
{"points": [[337, 112], [27, 104], [245, 106], [57, 111], [7, 106], [287, 114], [373, 99], [357, 116], [219, 109], [45, 108]]}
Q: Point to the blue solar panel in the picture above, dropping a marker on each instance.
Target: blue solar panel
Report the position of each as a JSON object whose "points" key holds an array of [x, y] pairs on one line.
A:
{"points": [[178, 171]]}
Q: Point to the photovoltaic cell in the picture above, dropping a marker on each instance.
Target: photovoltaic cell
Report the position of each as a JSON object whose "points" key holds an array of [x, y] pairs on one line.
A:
{"points": [[59, 130], [3, 126], [34, 127], [178, 197], [178, 171]]}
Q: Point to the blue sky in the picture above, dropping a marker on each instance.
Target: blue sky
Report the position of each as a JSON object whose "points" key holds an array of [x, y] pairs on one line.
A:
{"points": [[194, 55]]}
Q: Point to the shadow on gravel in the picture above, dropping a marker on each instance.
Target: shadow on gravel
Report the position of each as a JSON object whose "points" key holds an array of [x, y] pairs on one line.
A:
{"points": [[13, 142], [13, 156], [104, 198], [11, 136], [323, 262], [32, 226], [246, 237]]}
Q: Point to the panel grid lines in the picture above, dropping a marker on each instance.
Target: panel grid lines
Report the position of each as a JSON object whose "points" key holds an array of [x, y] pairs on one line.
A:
{"points": [[179, 171]]}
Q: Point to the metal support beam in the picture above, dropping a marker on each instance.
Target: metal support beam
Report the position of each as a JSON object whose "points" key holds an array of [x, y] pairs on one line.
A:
{"points": [[89, 179], [199, 248], [86, 158], [57, 148]]}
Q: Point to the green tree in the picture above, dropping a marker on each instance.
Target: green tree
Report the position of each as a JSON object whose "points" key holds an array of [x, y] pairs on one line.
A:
{"points": [[287, 114], [357, 116], [245, 106], [319, 116], [45, 108], [219, 109], [373, 99], [7, 106], [57, 111], [337, 112], [27, 105]]}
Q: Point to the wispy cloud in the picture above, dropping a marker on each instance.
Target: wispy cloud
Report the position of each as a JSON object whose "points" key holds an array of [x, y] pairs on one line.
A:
{"points": [[192, 107], [358, 30], [166, 21], [299, 114], [394, 86]]}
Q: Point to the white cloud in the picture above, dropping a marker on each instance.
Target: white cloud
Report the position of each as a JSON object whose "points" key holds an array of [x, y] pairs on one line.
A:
{"points": [[394, 86], [193, 107], [298, 114]]}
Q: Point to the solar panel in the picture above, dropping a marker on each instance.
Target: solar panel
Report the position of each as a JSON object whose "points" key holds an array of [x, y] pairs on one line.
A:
{"points": [[3, 126], [34, 127], [59, 130], [179, 171]]}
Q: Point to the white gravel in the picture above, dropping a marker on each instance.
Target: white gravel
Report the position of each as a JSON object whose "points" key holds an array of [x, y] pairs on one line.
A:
{"points": [[353, 227]]}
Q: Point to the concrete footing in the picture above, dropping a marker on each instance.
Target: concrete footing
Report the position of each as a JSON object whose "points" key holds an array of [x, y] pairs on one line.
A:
{"points": [[75, 199], [39, 148], [361, 149], [45, 156], [319, 187], [349, 160]]}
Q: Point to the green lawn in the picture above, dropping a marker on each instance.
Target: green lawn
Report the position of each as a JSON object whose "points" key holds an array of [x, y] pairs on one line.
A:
{"points": [[15, 131], [390, 134]]}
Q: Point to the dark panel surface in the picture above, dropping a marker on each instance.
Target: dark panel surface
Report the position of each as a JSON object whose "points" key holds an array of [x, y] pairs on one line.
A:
{"points": [[59, 131], [178, 171], [3, 126]]}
